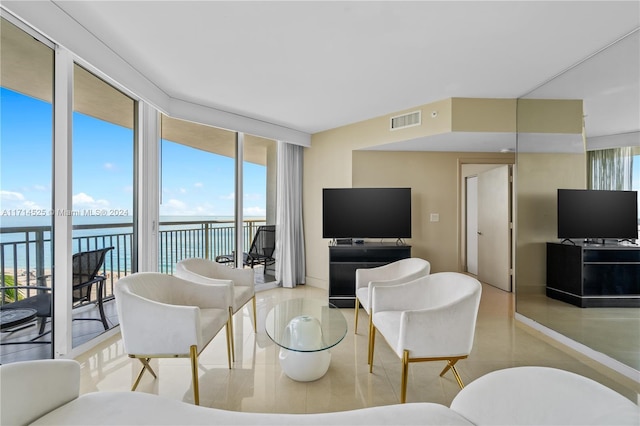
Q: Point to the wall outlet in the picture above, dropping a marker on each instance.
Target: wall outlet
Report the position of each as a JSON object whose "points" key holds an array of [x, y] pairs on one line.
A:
{"points": [[434, 217]]}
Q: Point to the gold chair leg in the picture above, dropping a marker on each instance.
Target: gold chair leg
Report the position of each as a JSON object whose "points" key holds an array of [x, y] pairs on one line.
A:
{"points": [[405, 375], [451, 366], [446, 368], [145, 366], [193, 354], [230, 328], [229, 342], [255, 321], [355, 327], [455, 373], [372, 343], [371, 327]]}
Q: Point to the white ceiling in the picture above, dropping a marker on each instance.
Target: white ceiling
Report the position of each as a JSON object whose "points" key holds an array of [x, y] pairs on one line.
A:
{"points": [[313, 66]]}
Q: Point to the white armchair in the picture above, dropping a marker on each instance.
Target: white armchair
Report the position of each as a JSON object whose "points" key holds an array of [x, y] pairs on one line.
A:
{"points": [[162, 316], [240, 281], [432, 318], [394, 273], [542, 396]]}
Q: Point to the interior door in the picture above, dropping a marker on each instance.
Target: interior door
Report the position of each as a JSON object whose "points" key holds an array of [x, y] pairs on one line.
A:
{"points": [[494, 230], [472, 224]]}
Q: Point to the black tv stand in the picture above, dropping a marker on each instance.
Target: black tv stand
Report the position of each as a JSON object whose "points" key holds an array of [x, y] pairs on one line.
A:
{"points": [[345, 259], [598, 275]]}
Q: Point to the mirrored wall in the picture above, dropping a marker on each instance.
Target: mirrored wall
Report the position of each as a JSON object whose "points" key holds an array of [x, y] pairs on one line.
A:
{"points": [[594, 105]]}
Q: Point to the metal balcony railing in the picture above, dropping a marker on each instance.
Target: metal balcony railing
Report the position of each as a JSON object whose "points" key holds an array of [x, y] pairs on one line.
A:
{"points": [[26, 252]]}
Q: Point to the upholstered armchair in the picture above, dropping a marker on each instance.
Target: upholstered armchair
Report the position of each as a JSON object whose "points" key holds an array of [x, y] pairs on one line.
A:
{"points": [[240, 281], [162, 316], [398, 272], [432, 318], [542, 396]]}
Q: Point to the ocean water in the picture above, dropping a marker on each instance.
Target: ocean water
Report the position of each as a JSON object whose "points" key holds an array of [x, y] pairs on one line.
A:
{"points": [[16, 253]]}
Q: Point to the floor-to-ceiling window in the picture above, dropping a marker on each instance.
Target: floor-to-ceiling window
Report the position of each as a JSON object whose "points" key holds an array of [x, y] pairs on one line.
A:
{"points": [[197, 207], [103, 200], [26, 190]]}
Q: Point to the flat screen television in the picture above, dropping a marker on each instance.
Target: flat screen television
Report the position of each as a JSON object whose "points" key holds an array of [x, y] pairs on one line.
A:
{"points": [[366, 213], [597, 214]]}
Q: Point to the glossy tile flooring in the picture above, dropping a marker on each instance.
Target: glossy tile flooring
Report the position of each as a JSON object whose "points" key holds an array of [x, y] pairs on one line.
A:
{"points": [[612, 331], [257, 384]]}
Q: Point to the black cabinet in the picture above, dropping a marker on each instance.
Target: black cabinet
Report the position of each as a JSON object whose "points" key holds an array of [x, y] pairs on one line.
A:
{"points": [[345, 259], [594, 275]]}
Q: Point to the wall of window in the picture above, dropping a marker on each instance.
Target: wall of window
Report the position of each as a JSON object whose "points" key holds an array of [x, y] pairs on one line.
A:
{"points": [[103, 200], [26, 190], [197, 206], [95, 154], [67, 164]]}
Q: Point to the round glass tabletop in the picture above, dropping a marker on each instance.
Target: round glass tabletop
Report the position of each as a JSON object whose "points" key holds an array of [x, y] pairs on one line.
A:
{"points": [[306, 325], [10, 317]]}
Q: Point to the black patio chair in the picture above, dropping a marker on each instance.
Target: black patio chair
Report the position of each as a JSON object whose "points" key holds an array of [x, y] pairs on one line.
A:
{"points": [[260, 252], [86, 266]]}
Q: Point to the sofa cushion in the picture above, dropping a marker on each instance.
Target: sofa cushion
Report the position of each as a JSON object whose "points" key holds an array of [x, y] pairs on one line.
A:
{"points": [[137, 408]]}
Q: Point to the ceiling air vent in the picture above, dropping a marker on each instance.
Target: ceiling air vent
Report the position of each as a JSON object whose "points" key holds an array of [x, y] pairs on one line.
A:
{"points": [[406, 120]]}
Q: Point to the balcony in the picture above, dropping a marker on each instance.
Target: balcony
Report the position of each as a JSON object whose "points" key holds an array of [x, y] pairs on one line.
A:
{"points": [[26, 258]]}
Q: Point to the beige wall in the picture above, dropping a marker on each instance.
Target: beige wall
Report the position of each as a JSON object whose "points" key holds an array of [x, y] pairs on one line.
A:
{"points": [[537, 180], [336, 159], [435, 179], [550, 116], [483, 115]]}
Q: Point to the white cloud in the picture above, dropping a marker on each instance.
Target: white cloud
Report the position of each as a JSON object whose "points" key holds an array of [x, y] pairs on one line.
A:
{"points": [[109, 166], [231, 196], [183, 191], [11, 200], [174, 207], [11, 196], [198, 185], [87, 201]]}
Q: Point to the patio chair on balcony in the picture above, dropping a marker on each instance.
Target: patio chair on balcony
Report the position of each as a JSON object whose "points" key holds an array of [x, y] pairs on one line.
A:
{"points": [[260, 252], [86, 266]]}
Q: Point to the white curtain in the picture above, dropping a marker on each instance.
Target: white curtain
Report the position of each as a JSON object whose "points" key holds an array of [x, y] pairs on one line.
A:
{"points": [[610, 168], [290, 266]]}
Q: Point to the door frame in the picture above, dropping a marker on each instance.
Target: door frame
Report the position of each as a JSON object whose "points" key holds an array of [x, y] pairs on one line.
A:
{"points": [[508, 159]]}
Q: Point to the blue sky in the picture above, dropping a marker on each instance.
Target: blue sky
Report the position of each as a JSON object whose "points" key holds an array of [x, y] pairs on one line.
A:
{"points": [[194, 182]]}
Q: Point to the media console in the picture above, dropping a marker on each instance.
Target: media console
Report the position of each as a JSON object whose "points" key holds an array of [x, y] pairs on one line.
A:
{"points": [[344, 259], [594, 275]]}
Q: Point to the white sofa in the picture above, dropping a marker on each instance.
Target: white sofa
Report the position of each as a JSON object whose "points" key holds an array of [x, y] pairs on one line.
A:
{"points": [[46, 392]]}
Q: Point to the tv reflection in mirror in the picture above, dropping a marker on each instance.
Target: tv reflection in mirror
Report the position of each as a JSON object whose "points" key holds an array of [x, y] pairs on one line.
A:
{"points": [[595, 216], [356, 213]]}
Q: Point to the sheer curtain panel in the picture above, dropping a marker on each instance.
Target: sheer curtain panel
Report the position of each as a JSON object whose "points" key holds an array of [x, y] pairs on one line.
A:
{"points": [[610, 169], [290, 266]]}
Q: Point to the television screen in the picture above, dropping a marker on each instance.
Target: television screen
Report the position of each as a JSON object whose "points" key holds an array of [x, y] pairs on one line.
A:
{"points": [[366, 213], [597, 214]]}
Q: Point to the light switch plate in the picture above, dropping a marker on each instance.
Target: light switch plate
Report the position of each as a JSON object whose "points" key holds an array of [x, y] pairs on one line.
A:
{"points": [[435, 217]]}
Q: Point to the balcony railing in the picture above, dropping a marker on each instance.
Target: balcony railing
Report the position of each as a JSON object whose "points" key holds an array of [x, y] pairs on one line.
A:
{"points": [[26, 252]]}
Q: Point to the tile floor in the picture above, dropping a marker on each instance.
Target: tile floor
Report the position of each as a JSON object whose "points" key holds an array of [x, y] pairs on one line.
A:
{"points": [[257, 383], [613, 331]]}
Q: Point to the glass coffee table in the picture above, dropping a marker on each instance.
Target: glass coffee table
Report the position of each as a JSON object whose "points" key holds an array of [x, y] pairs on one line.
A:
{"points": [[305, 330]]}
